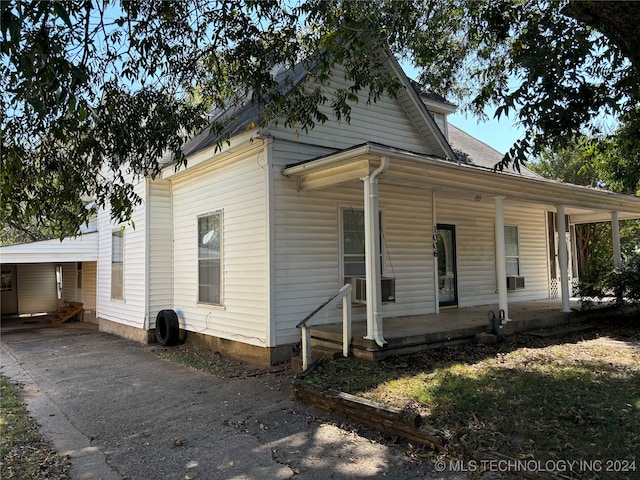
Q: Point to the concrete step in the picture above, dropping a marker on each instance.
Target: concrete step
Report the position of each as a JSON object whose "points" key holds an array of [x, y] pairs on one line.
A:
{"points": [[325, 353], [324, 335], [326, 343]]}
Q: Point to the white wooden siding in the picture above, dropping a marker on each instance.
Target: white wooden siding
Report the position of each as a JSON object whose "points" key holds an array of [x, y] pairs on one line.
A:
{"points": [[130, 310], [475, 247], [160, 249], [89, 270], [441, 122], [237, 188], [475, 238], [70, 282], [288, 152], [307, 249], [384, 121], [37, 288], [532, 244], [408, 248]]}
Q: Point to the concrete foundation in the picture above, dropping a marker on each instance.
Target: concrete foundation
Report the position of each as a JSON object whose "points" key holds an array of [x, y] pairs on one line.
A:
{"points": [[411, 334], [126, 331], [263, 356], [89, 316]]}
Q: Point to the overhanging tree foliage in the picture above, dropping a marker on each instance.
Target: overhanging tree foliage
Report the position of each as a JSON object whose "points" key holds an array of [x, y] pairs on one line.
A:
{"points": [[93, 87], [598, 163]]}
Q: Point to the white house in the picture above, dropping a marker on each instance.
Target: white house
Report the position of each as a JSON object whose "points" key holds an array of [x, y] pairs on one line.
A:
{"points": [[247, 240]]}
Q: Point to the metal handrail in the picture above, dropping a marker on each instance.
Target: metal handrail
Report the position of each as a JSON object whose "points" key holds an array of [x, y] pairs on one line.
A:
{"points": [[345, 291]]}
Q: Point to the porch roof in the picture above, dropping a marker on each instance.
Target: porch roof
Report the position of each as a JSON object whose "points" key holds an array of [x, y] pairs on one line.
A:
{"points": [[464, 180]]}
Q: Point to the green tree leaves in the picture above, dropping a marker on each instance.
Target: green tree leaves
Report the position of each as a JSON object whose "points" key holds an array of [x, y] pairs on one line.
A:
{"points": [[598, 162], [95, 92]]}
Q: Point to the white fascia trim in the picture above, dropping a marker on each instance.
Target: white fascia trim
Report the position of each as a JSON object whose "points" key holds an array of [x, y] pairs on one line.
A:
{"points": [[532, 189], [210, 152], [422, 109]]}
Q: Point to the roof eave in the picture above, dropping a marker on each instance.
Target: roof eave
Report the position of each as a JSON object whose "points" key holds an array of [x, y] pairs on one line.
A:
{"points": [[443, 173], [201, 156]]}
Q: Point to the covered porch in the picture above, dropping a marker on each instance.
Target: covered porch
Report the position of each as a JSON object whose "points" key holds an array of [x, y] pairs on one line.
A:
{"points": [[411, 334], [440, 183]]}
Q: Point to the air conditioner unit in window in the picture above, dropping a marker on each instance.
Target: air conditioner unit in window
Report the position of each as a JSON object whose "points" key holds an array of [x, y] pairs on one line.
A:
{"points": [[388, 289], [515, 283]]}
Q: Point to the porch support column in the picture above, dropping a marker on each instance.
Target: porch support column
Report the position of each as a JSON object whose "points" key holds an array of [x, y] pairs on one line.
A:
{"points": [[501, 263], [372, 254], [615, 233], [562, 258]]}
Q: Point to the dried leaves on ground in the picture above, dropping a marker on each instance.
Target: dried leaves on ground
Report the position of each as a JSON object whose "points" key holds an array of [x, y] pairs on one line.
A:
{"points": [[207, 360], [574, 398]]}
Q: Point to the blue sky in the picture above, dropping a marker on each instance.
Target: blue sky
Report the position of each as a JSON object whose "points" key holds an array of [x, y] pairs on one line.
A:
{"points": [[500, 135]]}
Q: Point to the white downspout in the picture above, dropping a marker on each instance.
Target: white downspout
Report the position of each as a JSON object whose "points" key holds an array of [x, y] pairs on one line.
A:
{"points": [[615, 233], [562, 259], [501, 264], [372, 254]]}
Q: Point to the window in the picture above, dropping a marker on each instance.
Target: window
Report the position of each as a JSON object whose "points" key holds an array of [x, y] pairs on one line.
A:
{"points": [[59, 281], [6, 281], [117, 264], [209, 264], [353, 255], [512, 255]]}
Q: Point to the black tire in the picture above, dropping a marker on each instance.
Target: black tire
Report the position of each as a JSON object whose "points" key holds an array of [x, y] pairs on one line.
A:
{"points": [[167, 328]]}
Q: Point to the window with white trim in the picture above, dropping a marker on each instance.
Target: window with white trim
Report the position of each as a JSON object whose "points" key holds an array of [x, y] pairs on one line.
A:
{"points": [[512, 252], [117, 264], [353, 243], [209, 258]]}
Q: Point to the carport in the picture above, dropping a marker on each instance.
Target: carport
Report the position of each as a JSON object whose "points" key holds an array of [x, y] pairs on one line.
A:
{"points": [[42, 277]]}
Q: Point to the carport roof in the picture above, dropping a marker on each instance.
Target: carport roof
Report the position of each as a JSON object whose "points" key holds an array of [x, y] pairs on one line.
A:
{"points": [[79, 249]]}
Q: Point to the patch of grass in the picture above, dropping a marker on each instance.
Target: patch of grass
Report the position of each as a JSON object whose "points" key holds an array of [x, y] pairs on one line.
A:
{"points": [[23, 453], [579, 400]]}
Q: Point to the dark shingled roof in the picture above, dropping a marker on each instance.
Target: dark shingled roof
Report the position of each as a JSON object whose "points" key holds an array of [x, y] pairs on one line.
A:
{"points": [[237, 119], [472, 151], [425, 92]]}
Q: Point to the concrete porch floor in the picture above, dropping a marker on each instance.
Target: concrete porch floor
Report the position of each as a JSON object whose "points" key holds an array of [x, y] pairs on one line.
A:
{"points": [[410, 334]]}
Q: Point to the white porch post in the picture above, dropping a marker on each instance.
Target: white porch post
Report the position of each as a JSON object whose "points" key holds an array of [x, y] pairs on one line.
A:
{"points": [[562, 258], [501, 263], [368, 259], [372, 254], [615, 233]]}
